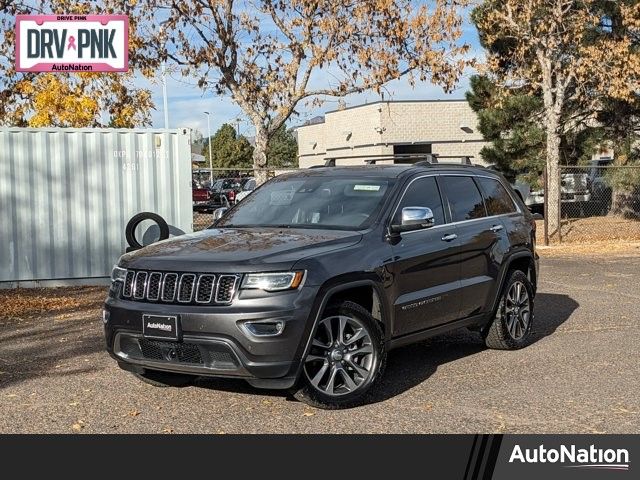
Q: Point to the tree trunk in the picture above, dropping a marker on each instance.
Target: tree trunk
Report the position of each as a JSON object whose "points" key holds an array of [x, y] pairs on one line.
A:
{"points": [[553, 172], [260, 155]]}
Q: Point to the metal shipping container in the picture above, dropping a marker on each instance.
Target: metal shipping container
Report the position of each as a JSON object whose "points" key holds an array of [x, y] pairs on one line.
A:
{"points": [[66, 196]]}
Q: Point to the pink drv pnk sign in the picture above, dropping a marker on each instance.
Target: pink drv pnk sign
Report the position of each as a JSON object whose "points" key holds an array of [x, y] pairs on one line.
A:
{"points": [[72, 43]]}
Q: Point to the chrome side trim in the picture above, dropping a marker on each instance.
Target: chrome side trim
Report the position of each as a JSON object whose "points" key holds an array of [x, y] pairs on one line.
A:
{"points": [[461, 222]]}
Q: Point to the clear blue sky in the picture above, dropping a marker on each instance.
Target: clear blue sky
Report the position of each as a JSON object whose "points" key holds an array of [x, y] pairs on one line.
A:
{"points": [[187, 102]]}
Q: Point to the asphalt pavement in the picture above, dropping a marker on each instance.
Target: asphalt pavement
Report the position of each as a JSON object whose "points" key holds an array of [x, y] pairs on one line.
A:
{"points": [[581, 374]]}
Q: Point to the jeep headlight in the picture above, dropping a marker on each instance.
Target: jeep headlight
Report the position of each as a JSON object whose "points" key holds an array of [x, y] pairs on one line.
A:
{"points": [[118, 274], [273, 282]]}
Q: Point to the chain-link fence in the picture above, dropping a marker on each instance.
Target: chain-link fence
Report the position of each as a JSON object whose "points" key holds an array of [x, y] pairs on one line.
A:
{"points": [[221, 187], [597, 203]]}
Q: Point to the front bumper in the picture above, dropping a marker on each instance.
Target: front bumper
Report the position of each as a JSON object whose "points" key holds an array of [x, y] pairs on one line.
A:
{"points": [[212, 343]]}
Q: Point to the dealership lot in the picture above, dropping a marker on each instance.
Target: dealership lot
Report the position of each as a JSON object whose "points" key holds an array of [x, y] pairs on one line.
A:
{"points": [[581, 374]]}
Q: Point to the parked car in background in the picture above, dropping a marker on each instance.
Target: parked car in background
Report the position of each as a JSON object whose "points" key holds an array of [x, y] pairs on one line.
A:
{"points": [[574, 188], [248, 187], [225, 190], [201, 196]]}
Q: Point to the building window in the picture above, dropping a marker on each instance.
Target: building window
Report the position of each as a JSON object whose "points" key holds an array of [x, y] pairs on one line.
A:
{"points": [[411, 149]]}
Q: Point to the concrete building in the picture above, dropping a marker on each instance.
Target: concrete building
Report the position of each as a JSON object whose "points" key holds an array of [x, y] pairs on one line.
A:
{"points": [[447, 128]]}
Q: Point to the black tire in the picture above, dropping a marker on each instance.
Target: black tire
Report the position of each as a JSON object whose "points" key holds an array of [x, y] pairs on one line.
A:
{"points": [[136, 220], [164, 379], [506, 331], [306, 392]]}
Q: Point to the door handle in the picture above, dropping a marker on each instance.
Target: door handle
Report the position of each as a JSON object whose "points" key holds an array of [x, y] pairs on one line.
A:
{"points": [[449, 236], [496, 228]]}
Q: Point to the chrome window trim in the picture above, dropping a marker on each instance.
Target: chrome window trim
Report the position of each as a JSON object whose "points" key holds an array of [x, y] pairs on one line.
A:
{"points": [[452, 223], [213, 287], [149, 283], [144, 287], [182, 277], [233, 289], [164, 279]]}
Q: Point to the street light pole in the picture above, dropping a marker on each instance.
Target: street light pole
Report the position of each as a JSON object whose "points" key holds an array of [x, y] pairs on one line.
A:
{"points": [[209, 147], [164, 95], [163, 69]]}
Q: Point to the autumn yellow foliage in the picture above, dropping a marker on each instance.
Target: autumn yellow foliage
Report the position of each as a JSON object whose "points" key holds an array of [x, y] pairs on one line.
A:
{"points": [[58, 103]]}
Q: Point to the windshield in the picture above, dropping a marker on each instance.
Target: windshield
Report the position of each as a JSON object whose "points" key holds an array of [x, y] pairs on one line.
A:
{"points": [[315, 202]]}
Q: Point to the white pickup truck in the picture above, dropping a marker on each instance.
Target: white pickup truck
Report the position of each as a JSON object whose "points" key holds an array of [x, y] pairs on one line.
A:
{"points": [[574, 188]]}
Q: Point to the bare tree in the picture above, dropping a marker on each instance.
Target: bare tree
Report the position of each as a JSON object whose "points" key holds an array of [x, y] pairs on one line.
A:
{"points": [[269, 55]]}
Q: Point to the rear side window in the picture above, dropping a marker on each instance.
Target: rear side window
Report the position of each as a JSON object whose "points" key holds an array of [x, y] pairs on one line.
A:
{"points": [[496, 198], [423, 192], [464, 198]]}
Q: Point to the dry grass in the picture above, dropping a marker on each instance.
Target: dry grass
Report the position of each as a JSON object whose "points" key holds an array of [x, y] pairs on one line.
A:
{"points": [[594, 230], [606, 248]]}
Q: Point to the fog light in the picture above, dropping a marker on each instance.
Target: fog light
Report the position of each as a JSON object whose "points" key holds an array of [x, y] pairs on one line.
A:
{"points": [[262, 328], [106, 315]]}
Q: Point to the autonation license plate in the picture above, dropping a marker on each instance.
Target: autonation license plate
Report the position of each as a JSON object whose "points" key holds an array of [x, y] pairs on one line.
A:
{"points": [[165, 327]]}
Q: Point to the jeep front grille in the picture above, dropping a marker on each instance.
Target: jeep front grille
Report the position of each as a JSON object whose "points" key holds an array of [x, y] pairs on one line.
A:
{"points": [[184, 288]]}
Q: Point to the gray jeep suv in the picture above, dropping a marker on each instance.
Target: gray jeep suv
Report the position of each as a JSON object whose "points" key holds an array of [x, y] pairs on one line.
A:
{"points": [[315, 276]]}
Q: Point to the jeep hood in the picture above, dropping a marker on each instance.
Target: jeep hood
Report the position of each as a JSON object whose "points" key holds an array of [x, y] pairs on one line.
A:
{"points": [[238, 249]]}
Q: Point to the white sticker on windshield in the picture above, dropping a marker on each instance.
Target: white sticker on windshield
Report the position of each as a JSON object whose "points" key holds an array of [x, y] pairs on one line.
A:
{"points": [[367, 188]]}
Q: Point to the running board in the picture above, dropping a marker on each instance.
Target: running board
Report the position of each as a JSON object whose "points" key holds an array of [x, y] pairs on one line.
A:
{"points": [[475, 320]]}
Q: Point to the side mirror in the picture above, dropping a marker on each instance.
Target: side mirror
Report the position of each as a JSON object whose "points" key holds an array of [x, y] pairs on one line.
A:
{"points": [[218, 213], [414, 218]]}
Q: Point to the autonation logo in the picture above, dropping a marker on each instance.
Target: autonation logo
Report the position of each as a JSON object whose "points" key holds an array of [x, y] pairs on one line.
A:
{"points": [[573, 457]]}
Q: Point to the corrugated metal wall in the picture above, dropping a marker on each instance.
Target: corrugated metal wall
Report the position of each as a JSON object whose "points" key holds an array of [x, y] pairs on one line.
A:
{"points": [[67, 194]]}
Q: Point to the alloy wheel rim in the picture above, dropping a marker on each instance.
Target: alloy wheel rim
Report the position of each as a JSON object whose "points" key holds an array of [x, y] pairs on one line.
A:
{"points": [[517, 308], [342, 357]]}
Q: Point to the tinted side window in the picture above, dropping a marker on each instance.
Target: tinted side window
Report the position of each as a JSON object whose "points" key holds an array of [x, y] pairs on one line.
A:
{"points": [[422, 192], [464, 198], [496, 198]]}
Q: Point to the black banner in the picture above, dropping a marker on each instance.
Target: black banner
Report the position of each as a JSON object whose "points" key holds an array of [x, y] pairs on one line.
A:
{"points": [[345, 456]]}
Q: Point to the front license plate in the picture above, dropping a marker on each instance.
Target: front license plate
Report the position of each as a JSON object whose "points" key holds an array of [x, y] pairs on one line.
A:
{"points": [[165, 327]]}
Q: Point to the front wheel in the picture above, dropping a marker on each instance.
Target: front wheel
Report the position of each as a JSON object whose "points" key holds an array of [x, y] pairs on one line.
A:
{"points": [[511, 325], [346, 358]]}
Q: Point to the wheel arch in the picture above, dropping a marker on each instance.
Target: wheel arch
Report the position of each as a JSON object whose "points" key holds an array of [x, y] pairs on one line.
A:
{"points": [[522, 260], [365, 292], [341, 289]]}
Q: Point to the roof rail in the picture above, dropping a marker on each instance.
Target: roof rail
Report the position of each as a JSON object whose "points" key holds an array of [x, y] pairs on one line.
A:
{"points": [[416, 159], [373, 159]]}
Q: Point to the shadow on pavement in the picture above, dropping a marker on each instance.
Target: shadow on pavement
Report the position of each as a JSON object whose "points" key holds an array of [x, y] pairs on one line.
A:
{"points": [[410, 366], [37, 348], [46, 348]]}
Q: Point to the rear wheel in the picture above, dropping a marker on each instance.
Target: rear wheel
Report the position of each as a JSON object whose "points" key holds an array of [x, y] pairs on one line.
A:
{"points": [[346, 358], [511, 325], [164, 379]]}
